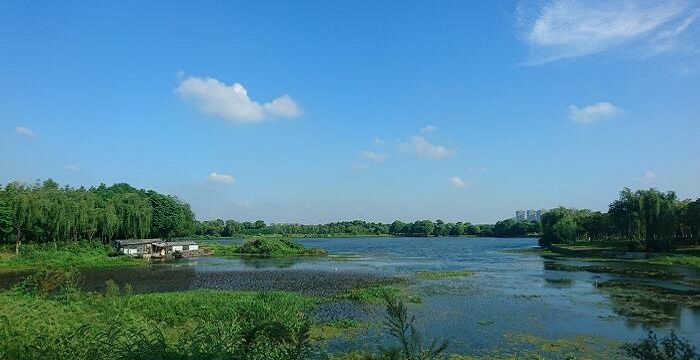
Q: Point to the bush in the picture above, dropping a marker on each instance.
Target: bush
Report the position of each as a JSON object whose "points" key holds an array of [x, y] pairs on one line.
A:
{"points": [[670, 347], [277, 247]]}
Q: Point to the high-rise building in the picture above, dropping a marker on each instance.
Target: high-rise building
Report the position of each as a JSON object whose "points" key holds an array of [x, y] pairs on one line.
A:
{"points": [[540, 212], [520, 215], [531, 215]]}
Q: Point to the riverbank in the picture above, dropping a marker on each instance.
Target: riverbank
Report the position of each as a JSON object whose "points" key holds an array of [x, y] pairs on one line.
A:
{"points": [[85, 254], [685, 256]]}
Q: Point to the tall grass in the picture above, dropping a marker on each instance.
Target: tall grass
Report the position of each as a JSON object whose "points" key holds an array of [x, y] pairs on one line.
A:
{"points": [[46, 317]]}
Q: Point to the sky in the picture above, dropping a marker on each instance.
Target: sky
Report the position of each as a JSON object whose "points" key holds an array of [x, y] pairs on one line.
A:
{"points": [[321, 111]]}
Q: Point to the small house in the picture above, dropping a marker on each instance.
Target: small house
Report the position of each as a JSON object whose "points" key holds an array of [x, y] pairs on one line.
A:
{"points": [[156, 248], [136, 247]]}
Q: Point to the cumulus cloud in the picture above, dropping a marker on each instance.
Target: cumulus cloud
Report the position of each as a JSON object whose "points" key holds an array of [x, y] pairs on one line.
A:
{"points": [[374, 156], [457, 182], [25, 131], [231, 102], [378, 141], [221, 178], [571, 28], [592, 113], [72, 167], [648, 177], [428, 129], [420, 146]]}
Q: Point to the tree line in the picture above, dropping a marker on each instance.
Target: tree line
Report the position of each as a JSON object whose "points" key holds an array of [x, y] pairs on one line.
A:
{"points": [[46, 212], [230, 228], [649, 219]]}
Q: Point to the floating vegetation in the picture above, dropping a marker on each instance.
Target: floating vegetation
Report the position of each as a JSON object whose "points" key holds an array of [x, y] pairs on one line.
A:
{"points": [[434, 275], [560, 281], [370, 294], [526, 346], [647, 303], [527, 296], [264, 246], [335, 329]]}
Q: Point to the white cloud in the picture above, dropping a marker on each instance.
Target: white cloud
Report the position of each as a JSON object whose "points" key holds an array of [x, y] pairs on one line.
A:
{"points": [[648, 177], [420, 146], [72, 167], [457, 182], [428, 129], [245, 204], [374, 156], [571, 28], [25, 131], [378, 141], [221, 178], [592, 113], [231, 102]]}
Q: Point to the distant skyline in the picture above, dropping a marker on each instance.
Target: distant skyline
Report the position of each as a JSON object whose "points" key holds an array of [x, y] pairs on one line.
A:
{"points": [[325, 110]]}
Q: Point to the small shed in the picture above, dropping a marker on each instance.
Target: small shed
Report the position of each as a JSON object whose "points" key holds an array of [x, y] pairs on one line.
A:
{"points": [[182, 246], [136, 247]]}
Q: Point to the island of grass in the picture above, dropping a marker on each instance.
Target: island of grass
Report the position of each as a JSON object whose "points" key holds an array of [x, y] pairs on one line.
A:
{"points": [[265, 247]]}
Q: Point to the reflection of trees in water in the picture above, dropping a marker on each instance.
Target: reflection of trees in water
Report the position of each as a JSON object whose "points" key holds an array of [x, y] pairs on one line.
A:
{"points": [[155, 278]]}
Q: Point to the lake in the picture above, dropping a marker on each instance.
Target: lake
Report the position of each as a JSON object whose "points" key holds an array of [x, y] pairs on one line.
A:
{"points": [[512, 298]]}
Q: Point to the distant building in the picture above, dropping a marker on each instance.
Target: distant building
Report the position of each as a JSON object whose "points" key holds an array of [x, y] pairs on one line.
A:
{"points": [[520, 215], [531, 215]]}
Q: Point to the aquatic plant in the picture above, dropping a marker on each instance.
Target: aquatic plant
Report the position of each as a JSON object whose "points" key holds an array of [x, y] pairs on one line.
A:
{"points": [[400, 325], [434, 275]]}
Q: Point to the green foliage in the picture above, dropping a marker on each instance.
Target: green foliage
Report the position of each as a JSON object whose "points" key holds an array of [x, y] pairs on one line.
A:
{"points": [[276, 247], [400, 325], [670, 347], [370, 294], [45, 212], [185, 325], [650, 219]]}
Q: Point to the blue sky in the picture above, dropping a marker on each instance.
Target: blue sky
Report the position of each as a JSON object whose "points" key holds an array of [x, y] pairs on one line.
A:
{"points": [[326, 110]]}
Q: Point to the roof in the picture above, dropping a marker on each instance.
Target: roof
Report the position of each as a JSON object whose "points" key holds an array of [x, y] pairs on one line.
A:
{"points": [[177, 243], [127, 242]]}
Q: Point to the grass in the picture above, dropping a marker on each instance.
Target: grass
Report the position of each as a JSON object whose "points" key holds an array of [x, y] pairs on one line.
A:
{"points": [[434, 275], [686, 256], [673, 259], [264, 246], [48, 318], [82, 254], [371, 294]]}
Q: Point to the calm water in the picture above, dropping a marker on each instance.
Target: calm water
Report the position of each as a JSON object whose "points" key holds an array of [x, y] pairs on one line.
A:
{"points": [[507, 295]]}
